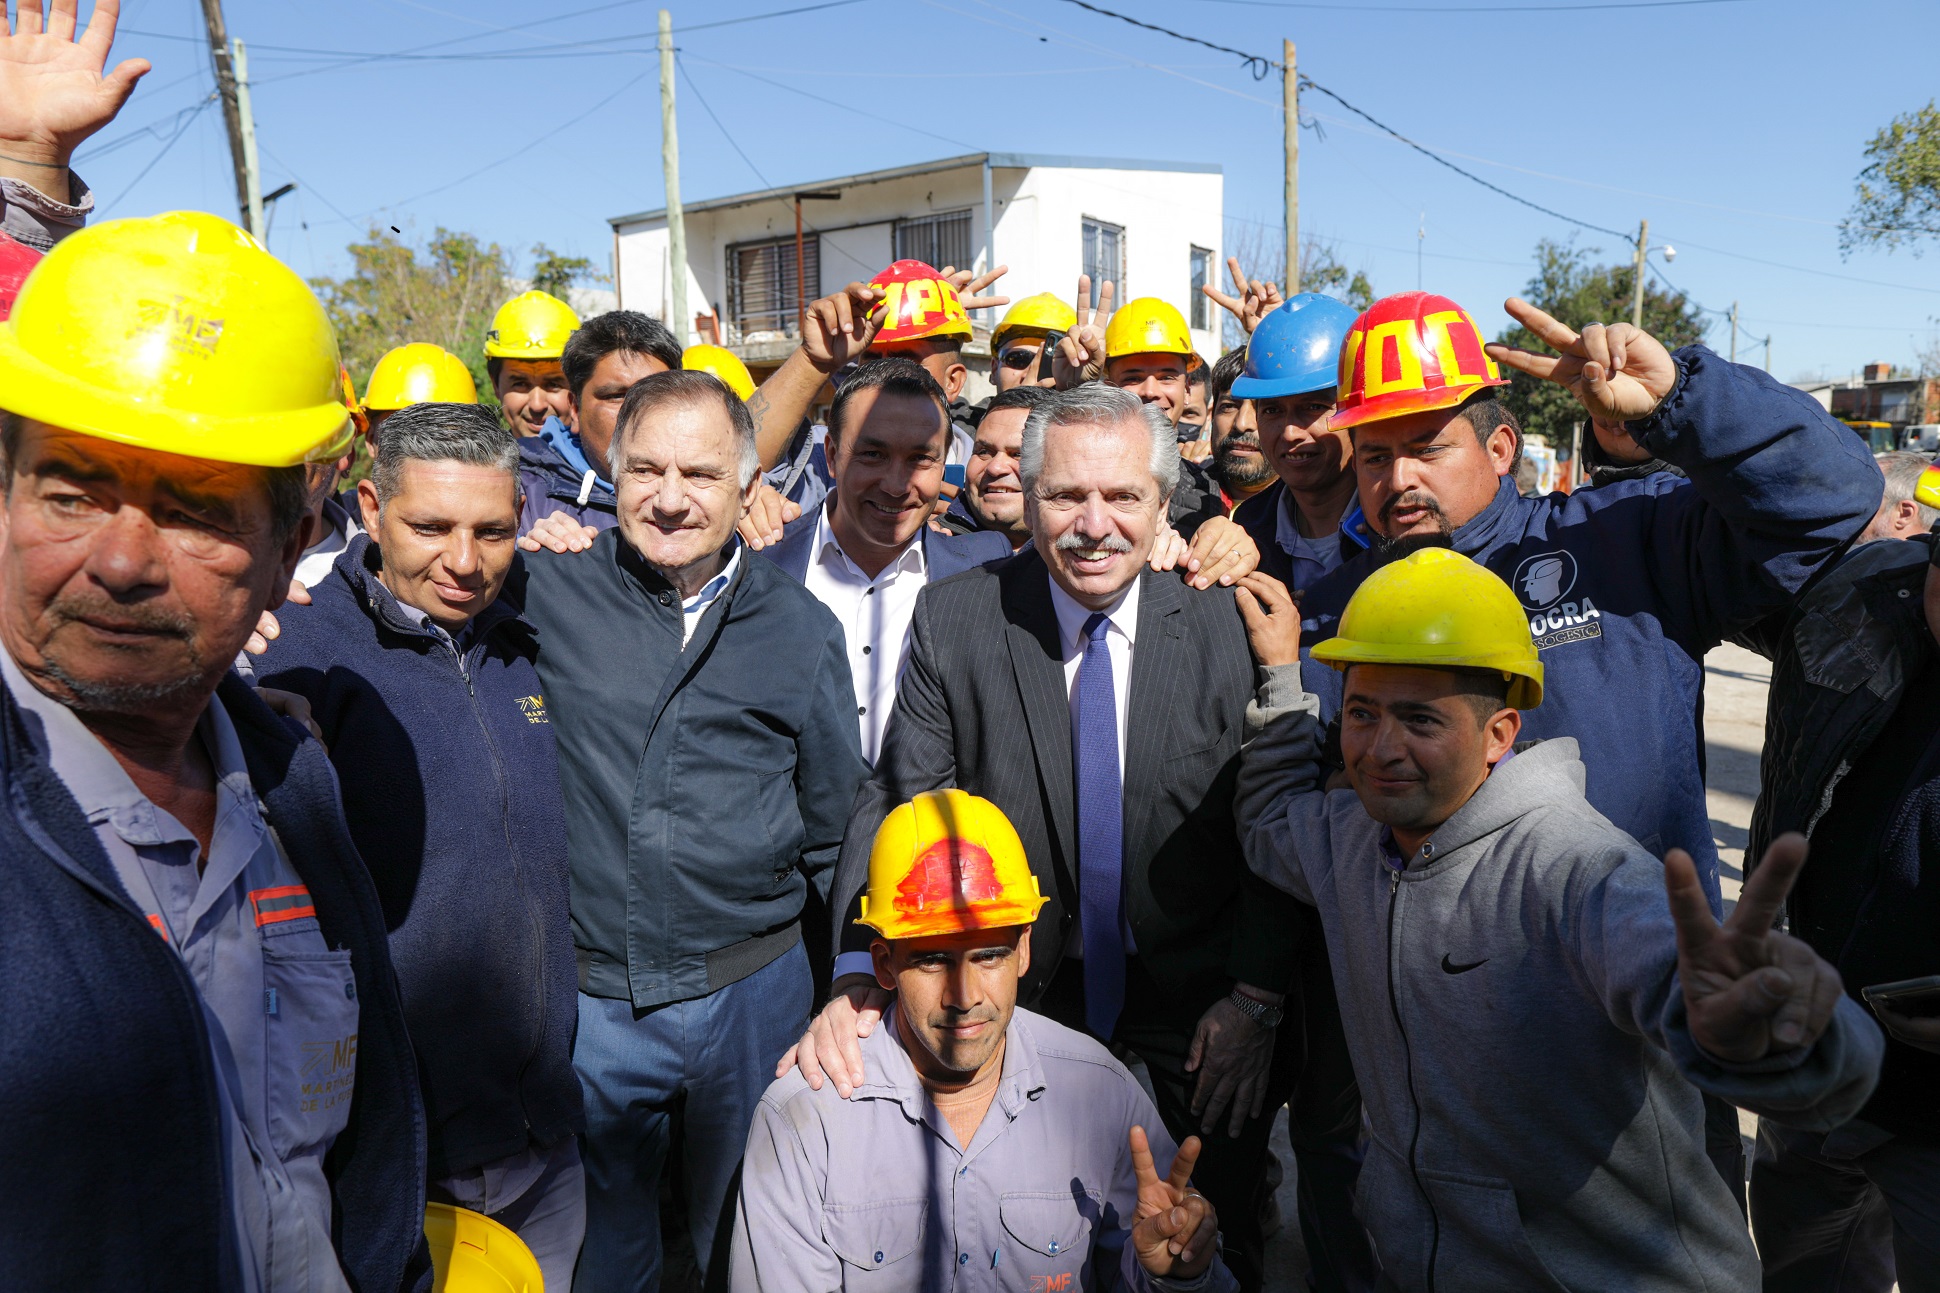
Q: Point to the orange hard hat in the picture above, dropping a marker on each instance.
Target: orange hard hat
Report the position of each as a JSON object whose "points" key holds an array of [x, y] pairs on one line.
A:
{"points": [[1410, 353], [917, 302], [948, 862]]}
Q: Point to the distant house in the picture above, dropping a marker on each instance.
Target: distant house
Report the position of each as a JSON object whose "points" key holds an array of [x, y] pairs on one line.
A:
{"points": [[1879, 405], [1153, 228]]}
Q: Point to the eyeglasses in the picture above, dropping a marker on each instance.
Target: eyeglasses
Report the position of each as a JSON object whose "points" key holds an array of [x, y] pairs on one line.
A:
{"points": [[1017, 358]]}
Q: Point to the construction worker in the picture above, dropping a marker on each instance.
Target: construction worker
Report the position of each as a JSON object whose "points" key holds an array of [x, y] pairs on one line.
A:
{"points": [[988, 1138], [721, 362], [1017, 342], [1305, 523], [993, 485], [1550, 965], [1232, 427], [418, 373], [522, 357], [1625, 586], [183, 912]]}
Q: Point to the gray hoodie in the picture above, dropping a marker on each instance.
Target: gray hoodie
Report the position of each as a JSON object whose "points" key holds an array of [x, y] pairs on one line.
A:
{"points": [[1517, 1026]]}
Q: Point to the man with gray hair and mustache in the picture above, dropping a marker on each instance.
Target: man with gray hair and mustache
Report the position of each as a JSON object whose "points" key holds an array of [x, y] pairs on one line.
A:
{"points": [[1099, 704]]}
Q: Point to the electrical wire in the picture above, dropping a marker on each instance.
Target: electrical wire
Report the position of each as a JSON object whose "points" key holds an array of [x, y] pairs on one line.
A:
{"points": [[836, 103], [1479, 8], [160, 153]]}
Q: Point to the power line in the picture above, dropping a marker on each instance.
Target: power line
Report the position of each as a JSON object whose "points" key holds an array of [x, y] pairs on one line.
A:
{"points": [[836, 103], [1480, 8], [160, 153], [1261, 68]]}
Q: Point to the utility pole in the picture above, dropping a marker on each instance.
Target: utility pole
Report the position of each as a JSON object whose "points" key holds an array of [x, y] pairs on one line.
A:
{"points": [[226, 88], [670, 163], [1734, 332], [252, 174], [1290, 92], [1637, 302]]}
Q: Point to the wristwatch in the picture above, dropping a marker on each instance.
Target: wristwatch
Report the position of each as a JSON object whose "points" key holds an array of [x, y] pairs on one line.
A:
{"points": [[1256, 1010]]}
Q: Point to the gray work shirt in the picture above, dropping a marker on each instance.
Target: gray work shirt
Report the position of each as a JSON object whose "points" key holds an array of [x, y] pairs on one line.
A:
{"points": [[280, 1005], [30, 216], [874, 1192]]}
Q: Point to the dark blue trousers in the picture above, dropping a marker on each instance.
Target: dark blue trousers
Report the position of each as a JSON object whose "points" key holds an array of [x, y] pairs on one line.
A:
{"points": [[713, 1057]]}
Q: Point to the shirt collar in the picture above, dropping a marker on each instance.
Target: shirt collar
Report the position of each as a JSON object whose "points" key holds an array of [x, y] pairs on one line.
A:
{"points": [[1071, 616], [827, 548], [712, 588]]}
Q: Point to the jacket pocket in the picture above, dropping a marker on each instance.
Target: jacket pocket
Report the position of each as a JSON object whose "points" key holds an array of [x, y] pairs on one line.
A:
{"points": [[1051, 1231], [1481, 1246], [774, 806], [877, 1242], [310, 1051]]}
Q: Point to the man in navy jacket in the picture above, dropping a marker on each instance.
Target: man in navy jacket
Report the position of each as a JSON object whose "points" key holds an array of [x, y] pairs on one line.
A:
{"points": [[424, 684]]}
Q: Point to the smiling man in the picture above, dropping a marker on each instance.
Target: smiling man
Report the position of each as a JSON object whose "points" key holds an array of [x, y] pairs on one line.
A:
{"points": [[986, 1134], [424, 684], [522, 357], [993, 483], [708, 757]]}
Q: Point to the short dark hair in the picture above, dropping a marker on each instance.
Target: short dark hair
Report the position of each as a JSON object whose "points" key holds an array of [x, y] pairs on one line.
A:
{"points": [[1225, 373], [611, 333], [894, 376], [694, 388], [1198, 375], [1484, 413], [1018, 397], [289, 487], [436, 432]]}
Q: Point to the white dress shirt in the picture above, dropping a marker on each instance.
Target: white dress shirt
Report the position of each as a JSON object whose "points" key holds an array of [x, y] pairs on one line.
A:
{"points": [[875, 615], [692, 608]]}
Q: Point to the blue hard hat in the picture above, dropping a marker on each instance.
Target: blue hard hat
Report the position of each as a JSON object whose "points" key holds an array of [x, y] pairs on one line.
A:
{"points": [[1296, 348]]}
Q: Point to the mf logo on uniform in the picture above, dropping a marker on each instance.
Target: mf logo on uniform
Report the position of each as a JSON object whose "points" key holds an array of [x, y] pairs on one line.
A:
{"points": [[1543, 582], [534, 708]]}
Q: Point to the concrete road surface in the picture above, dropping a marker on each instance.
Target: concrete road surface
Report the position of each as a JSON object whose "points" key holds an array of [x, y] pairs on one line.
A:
{"points": [[1735, 684]]}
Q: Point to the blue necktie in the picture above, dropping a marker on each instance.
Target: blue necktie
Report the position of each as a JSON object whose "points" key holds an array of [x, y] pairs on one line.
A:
{"points": [[1101, 830]]}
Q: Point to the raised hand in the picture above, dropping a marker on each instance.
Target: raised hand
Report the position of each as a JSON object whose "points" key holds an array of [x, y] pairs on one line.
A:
{"points": [[839, 328], [1749, 990], [1617, 372], [1272, 619], [53, 94], [1174, 1234], [1081, 355], [1255, 300], [970, 288]]}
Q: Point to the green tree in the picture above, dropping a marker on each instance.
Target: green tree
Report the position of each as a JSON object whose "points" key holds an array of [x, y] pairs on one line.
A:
{"points": [[554, 273], [1573, 290], [1898, 197], [443, 291]]}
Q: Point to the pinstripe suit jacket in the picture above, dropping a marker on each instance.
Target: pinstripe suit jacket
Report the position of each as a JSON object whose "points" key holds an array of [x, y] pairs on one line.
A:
{"points": [[983, 706]]}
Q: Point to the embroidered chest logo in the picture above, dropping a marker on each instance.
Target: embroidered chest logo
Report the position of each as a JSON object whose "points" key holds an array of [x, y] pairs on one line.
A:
{"points": [[1544, 583], [534, 708]]}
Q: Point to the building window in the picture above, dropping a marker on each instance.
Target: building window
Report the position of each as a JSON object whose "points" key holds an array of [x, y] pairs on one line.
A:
{"points": [[1104, 257], [1201, 275], [937, 240], [761, 284]]}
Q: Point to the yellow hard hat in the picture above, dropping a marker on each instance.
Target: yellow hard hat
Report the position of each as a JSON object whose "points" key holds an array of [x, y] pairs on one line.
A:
{"points": [[179, 333], [721, 362], [419, 373], [944, 863], [471, 1253], [532, 325], [1437, 609], [1034, 316], [1147, 326]]}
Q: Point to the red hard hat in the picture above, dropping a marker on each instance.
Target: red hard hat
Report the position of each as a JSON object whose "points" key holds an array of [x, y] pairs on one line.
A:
{"points": [[1410, 353], [917, 302], [16, 258]]}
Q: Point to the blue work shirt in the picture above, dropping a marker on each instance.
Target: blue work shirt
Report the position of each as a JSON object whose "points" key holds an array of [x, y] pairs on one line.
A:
{"points": [[280, 1004]]}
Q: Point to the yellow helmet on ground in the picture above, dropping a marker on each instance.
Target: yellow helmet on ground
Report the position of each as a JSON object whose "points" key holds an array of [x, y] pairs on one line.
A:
{"points": [[1436, 609], [419, 373], [532, 325], [471, 1253], [948, 862], [1034, 316], [722, 363], [1147, 326], [179, 333]]}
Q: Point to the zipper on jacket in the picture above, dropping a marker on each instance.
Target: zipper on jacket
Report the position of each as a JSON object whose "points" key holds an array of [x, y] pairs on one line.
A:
{"points": [[1414, 1138]]}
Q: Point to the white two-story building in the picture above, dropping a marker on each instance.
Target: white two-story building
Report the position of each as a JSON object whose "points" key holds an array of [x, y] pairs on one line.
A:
{"points": [[1152, 228]]}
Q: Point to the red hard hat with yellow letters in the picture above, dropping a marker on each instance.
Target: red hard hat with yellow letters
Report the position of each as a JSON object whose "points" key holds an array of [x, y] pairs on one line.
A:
{"points": [[948, 862], [917, 302], [1410, 353]]}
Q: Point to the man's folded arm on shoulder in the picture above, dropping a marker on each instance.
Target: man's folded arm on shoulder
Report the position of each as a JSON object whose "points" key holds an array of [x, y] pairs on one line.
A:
{"points": [[1279, 804], [1780, 487], [778, 1244], [918, 754], [828, 763]]}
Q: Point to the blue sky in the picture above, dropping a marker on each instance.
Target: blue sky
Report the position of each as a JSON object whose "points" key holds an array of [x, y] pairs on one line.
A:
{"points": [[1736, 127]]}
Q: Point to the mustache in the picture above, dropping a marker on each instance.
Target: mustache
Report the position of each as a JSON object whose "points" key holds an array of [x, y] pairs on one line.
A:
{"points": [[1240, 440], [143, 617], [1110, 542], [1415, 498]]}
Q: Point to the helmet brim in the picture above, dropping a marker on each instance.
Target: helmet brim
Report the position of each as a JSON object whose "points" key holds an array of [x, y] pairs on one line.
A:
{"points": [[1399, 404]]}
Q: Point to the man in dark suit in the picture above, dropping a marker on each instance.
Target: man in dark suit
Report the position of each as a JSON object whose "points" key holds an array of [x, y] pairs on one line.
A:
{"points": [[1155, 936]]}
